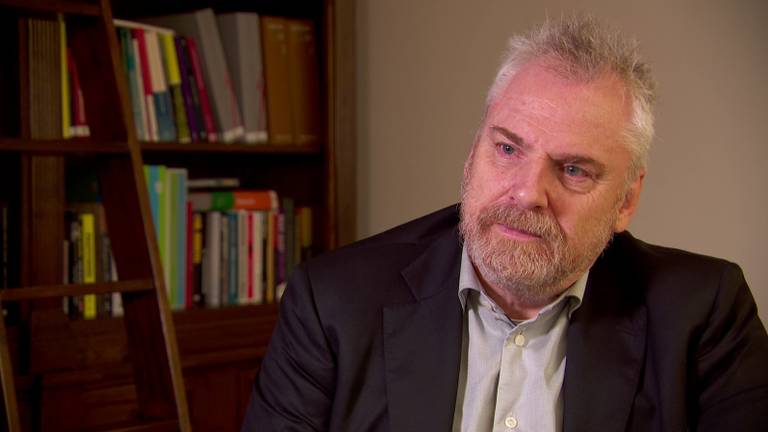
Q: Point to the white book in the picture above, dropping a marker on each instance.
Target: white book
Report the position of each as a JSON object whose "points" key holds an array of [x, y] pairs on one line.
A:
{"points": [[145, 124], [242, 258], [257, 296], [241, 40], [212, 260]]}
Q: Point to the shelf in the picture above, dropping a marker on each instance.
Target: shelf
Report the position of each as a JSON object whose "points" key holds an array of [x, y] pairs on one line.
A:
{"points": [[170, 425], [228, 148], [70, 7], [63, 146], [47, 291]]}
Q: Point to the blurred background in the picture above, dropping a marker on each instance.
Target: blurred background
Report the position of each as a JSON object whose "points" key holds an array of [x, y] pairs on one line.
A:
{"points": [[424, 68]]}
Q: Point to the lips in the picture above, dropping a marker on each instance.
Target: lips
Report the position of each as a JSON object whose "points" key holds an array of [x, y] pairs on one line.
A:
{"points": [[516, 231]]}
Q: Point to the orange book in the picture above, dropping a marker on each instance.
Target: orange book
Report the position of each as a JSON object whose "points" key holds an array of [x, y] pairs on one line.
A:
{"points": [[274, 36], [304, 82]]}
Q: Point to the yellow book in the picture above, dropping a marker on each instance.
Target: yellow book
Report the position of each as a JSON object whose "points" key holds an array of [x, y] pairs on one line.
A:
{"points": [[66, 105], [88, 245]]}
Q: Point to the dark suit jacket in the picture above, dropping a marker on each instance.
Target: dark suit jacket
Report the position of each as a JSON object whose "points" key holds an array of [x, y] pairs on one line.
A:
{"points": [[369, 339]]}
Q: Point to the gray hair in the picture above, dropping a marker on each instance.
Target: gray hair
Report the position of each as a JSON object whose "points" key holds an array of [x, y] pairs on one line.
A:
{"points": [[582, 48]]}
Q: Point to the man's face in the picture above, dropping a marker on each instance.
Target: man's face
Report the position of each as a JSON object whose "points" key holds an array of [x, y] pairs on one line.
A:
{"points": [[545, 184]]}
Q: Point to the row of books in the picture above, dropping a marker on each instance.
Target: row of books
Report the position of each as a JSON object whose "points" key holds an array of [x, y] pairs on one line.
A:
{"points": [[218, 247], [223, 78], [88, 258], [224, 247], [57, 106]]}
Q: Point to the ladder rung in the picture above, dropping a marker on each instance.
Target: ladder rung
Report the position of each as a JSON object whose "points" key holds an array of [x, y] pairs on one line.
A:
{"points": [[44, 291], [70, 7], [63, 146]]}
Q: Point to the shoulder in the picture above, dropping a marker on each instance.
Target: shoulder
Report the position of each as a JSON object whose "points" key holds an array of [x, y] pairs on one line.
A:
{"points": [[390, 250], [368, 272], [674, 283]]}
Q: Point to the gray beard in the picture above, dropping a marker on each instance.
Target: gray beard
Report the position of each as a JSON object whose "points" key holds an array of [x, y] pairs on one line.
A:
{"points": [[533, 272]]}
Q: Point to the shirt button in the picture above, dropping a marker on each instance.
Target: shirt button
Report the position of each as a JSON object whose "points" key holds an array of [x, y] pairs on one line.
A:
{"points": [[510, 422], [520, 340]]}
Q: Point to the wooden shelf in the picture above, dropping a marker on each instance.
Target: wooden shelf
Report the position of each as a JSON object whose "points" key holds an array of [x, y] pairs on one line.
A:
{"points": [[70, 7], [228, 148], [146, 426], [47, 291], [63, 146]]}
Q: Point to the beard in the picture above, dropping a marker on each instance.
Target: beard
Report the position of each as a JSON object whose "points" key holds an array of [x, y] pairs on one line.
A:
{"points": [[534, 271]]}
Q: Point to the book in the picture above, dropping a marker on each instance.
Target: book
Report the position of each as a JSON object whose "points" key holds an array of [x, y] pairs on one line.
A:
{"points": [[166, 130], [241, 40], [213, 183], [197, 130], [274, 36], [201, 90], [44, 54], [202, 28], [237, 199], [142, 65], [212, 260], [173, 78], [198, 236], [88, 253], [64, 78], [78, 121], [129, 65], [303, 82]]}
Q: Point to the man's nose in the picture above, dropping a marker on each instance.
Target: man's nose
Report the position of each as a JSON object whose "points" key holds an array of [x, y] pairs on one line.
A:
{"points": [[530, 185]]}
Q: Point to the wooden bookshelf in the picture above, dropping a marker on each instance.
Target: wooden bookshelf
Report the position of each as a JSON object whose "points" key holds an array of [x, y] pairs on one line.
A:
{"points": [[84, 374]]}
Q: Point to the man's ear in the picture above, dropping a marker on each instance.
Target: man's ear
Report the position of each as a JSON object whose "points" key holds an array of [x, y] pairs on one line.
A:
{"points": [[628, 207]]}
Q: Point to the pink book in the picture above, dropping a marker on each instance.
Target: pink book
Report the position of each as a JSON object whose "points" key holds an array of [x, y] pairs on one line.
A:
{"points": [[205, 104], [149, 99]]}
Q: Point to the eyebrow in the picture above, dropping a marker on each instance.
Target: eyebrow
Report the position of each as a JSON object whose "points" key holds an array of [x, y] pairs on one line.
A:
{"points": [[560, 158], [508, 134]]}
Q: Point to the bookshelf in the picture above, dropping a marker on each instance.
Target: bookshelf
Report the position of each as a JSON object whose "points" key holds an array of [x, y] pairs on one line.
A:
{"points": [[81, 374]]}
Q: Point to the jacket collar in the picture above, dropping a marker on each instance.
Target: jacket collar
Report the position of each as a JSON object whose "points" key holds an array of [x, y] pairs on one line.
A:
{"points": [[605, 347], [422, 341]]}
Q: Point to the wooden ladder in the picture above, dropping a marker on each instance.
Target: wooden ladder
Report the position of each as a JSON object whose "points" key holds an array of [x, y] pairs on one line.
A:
{"points": [[114, 148]]}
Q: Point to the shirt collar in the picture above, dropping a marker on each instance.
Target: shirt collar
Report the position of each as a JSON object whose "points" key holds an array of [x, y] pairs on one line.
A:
{"points": [[468, 280]]}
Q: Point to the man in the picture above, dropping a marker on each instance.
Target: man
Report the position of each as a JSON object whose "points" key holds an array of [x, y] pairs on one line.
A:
{"points": [[528, 308]]}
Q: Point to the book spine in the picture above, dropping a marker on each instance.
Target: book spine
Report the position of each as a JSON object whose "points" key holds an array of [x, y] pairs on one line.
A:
{"points": [[173, 78], [198, 235], [181, 229], [242, 260], [275, 44], [160, 95], [189, 92], [224, 282], [270, 252], [205, 104], [142, 72], [88, 248], [258, 257], [212, 260], [129, 64], [234, 256], [304, 82], [66, 114]]}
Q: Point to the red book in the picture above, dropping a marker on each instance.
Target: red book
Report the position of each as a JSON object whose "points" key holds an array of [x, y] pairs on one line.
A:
{"points": [[205, 103], [190, 265], [79, 122], [149, 99]]}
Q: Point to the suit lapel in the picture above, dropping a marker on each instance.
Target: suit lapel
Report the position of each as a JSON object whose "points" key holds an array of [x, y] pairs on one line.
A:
{"points": [[605, 350], [422, 341]]}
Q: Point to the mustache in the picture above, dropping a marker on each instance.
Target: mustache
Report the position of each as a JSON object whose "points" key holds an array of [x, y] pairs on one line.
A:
{"points": [[538, 224]]}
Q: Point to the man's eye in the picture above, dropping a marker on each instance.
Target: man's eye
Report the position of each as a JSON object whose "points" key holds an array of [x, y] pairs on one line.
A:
{"points": [[574, 171], [507, 149]]}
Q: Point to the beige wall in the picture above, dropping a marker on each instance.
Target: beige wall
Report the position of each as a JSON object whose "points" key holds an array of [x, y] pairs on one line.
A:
{"points": [[424, 66]]}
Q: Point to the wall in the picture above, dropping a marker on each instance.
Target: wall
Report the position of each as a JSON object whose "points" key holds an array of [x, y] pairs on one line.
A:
{"points": [[424, 67]]}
